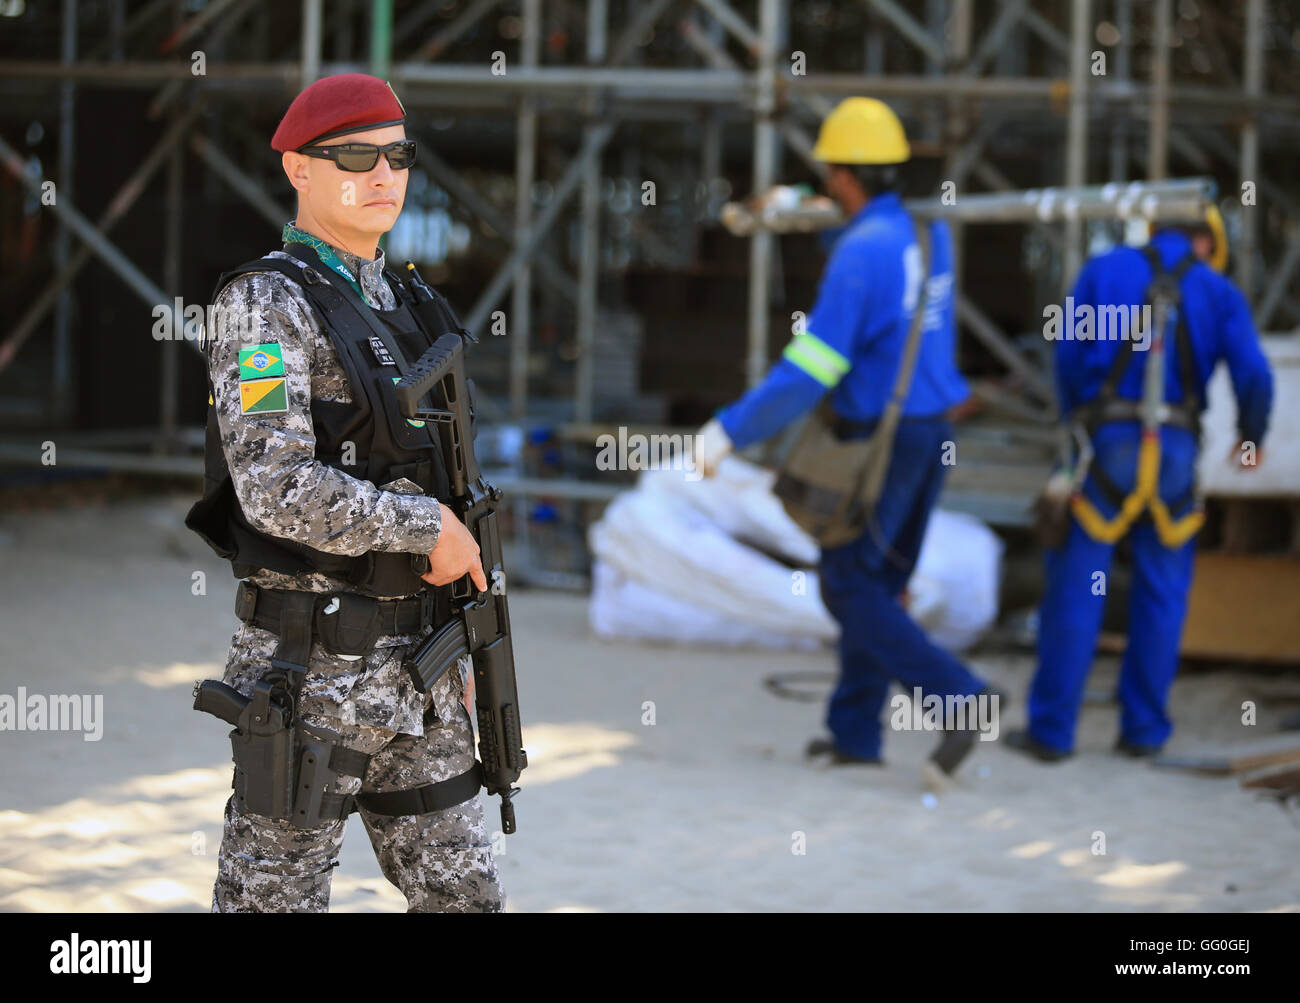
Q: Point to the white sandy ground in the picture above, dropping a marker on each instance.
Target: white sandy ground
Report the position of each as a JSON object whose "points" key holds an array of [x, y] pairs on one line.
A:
{"points": [[698, 812]]}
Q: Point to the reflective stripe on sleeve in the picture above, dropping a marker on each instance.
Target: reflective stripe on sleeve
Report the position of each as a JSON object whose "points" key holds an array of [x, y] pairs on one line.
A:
{"points": [[817, 359]]}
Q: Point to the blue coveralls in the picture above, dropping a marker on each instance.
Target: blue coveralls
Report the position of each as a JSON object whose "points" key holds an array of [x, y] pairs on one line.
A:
{"points": [[852, 347], [1219, 327]]}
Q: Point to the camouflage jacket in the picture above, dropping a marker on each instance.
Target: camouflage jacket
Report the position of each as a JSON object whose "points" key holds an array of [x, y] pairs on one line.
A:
{"points": [[284, 491]]}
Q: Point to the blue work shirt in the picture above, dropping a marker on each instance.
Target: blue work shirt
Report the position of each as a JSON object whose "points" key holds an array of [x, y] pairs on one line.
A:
{"points": [[854, 336], [1219, 326]]}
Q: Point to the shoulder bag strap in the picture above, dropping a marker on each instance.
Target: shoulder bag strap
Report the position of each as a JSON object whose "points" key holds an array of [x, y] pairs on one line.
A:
{"points": [[873, 475]]}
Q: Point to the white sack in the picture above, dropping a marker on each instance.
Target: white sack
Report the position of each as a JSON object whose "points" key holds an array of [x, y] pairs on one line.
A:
{"points": [[691, 561]]}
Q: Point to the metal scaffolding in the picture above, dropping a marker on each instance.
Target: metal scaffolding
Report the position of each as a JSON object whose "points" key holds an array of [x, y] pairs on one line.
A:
{"points": [[984, 86]]}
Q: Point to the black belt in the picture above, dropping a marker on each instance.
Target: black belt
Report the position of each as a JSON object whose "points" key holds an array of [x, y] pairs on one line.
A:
{"points": [[345, 623], [263, 608], [431, 797]]}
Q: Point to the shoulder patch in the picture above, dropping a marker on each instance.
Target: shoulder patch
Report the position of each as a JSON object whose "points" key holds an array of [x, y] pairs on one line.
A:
{"points": [[263, 396], [258, 361]]}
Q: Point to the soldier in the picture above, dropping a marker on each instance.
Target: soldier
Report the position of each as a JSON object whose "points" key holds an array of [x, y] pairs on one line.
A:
{"points": [[327, 502]]}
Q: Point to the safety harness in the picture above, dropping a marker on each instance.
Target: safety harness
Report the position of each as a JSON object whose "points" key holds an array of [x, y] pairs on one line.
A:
{"points": [[1152, 411]]}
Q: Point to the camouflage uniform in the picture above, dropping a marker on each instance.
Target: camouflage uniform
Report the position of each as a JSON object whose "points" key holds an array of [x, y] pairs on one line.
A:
{"points": [[440, 860]]}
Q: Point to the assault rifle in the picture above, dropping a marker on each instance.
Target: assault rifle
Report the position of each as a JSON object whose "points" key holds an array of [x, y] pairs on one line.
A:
{"points": [[480, 626]]}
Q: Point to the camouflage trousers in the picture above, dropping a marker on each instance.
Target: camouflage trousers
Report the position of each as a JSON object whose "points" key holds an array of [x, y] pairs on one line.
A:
{"points": [[441, 861]]}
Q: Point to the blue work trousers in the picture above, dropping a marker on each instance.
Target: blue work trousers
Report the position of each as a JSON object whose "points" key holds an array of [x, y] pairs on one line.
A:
{"points": [[862, 582], [1071, 613]]}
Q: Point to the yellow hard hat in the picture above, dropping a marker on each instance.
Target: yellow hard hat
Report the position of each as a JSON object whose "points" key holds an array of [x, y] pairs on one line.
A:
{"points": [[861, 131], [1219, 256]]}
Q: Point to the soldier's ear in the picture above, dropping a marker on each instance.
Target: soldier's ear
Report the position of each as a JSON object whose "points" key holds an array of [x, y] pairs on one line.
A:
{"points": [[296, 170]]}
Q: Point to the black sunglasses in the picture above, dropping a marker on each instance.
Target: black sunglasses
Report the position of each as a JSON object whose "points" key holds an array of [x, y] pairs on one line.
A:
{"points": [[359, 157]]}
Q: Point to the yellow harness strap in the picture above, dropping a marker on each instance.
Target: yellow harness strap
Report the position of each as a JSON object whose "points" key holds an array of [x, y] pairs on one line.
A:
{"points": [[1171, 532]]}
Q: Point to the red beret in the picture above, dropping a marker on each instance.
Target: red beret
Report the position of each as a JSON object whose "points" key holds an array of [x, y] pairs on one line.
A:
{"points": [[335, 106]]}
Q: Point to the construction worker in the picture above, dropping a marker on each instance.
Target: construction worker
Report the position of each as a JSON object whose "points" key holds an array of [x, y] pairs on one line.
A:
{"points": [[851, 349], [1134, 399]]}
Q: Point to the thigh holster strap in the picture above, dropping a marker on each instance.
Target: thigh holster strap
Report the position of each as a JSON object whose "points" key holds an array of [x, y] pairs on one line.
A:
{"points": [[431, 797]]}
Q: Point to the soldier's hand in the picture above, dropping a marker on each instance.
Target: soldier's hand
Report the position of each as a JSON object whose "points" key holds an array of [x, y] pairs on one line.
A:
{"points": [[455, 554], [467, 698]]}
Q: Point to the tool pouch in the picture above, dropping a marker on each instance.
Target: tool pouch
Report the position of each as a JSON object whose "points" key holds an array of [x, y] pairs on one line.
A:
{"points": [[1052, 512], [348, 624], [828, 485]]}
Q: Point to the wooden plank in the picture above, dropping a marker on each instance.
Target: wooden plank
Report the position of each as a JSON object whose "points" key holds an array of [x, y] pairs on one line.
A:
{"points": [[1284, 779], [1241, 608], [1223, 761], [1244, 607]]}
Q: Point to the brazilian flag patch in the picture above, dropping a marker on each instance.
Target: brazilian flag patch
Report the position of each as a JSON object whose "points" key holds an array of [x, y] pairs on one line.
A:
{"points": [[263, 396], [259, 361]]}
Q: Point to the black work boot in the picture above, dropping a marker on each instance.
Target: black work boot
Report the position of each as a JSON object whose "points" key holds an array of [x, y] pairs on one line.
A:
{"points": [[1025, 743], [956, 745], [953, 749], [825, 746], [1135, 750]]}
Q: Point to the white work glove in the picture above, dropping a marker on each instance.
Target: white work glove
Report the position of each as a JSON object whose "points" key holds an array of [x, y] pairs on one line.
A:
{"points": [[711, 444]]}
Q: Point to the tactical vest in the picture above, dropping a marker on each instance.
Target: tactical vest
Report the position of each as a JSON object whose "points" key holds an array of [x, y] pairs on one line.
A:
{"points": [[375, 348]]}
